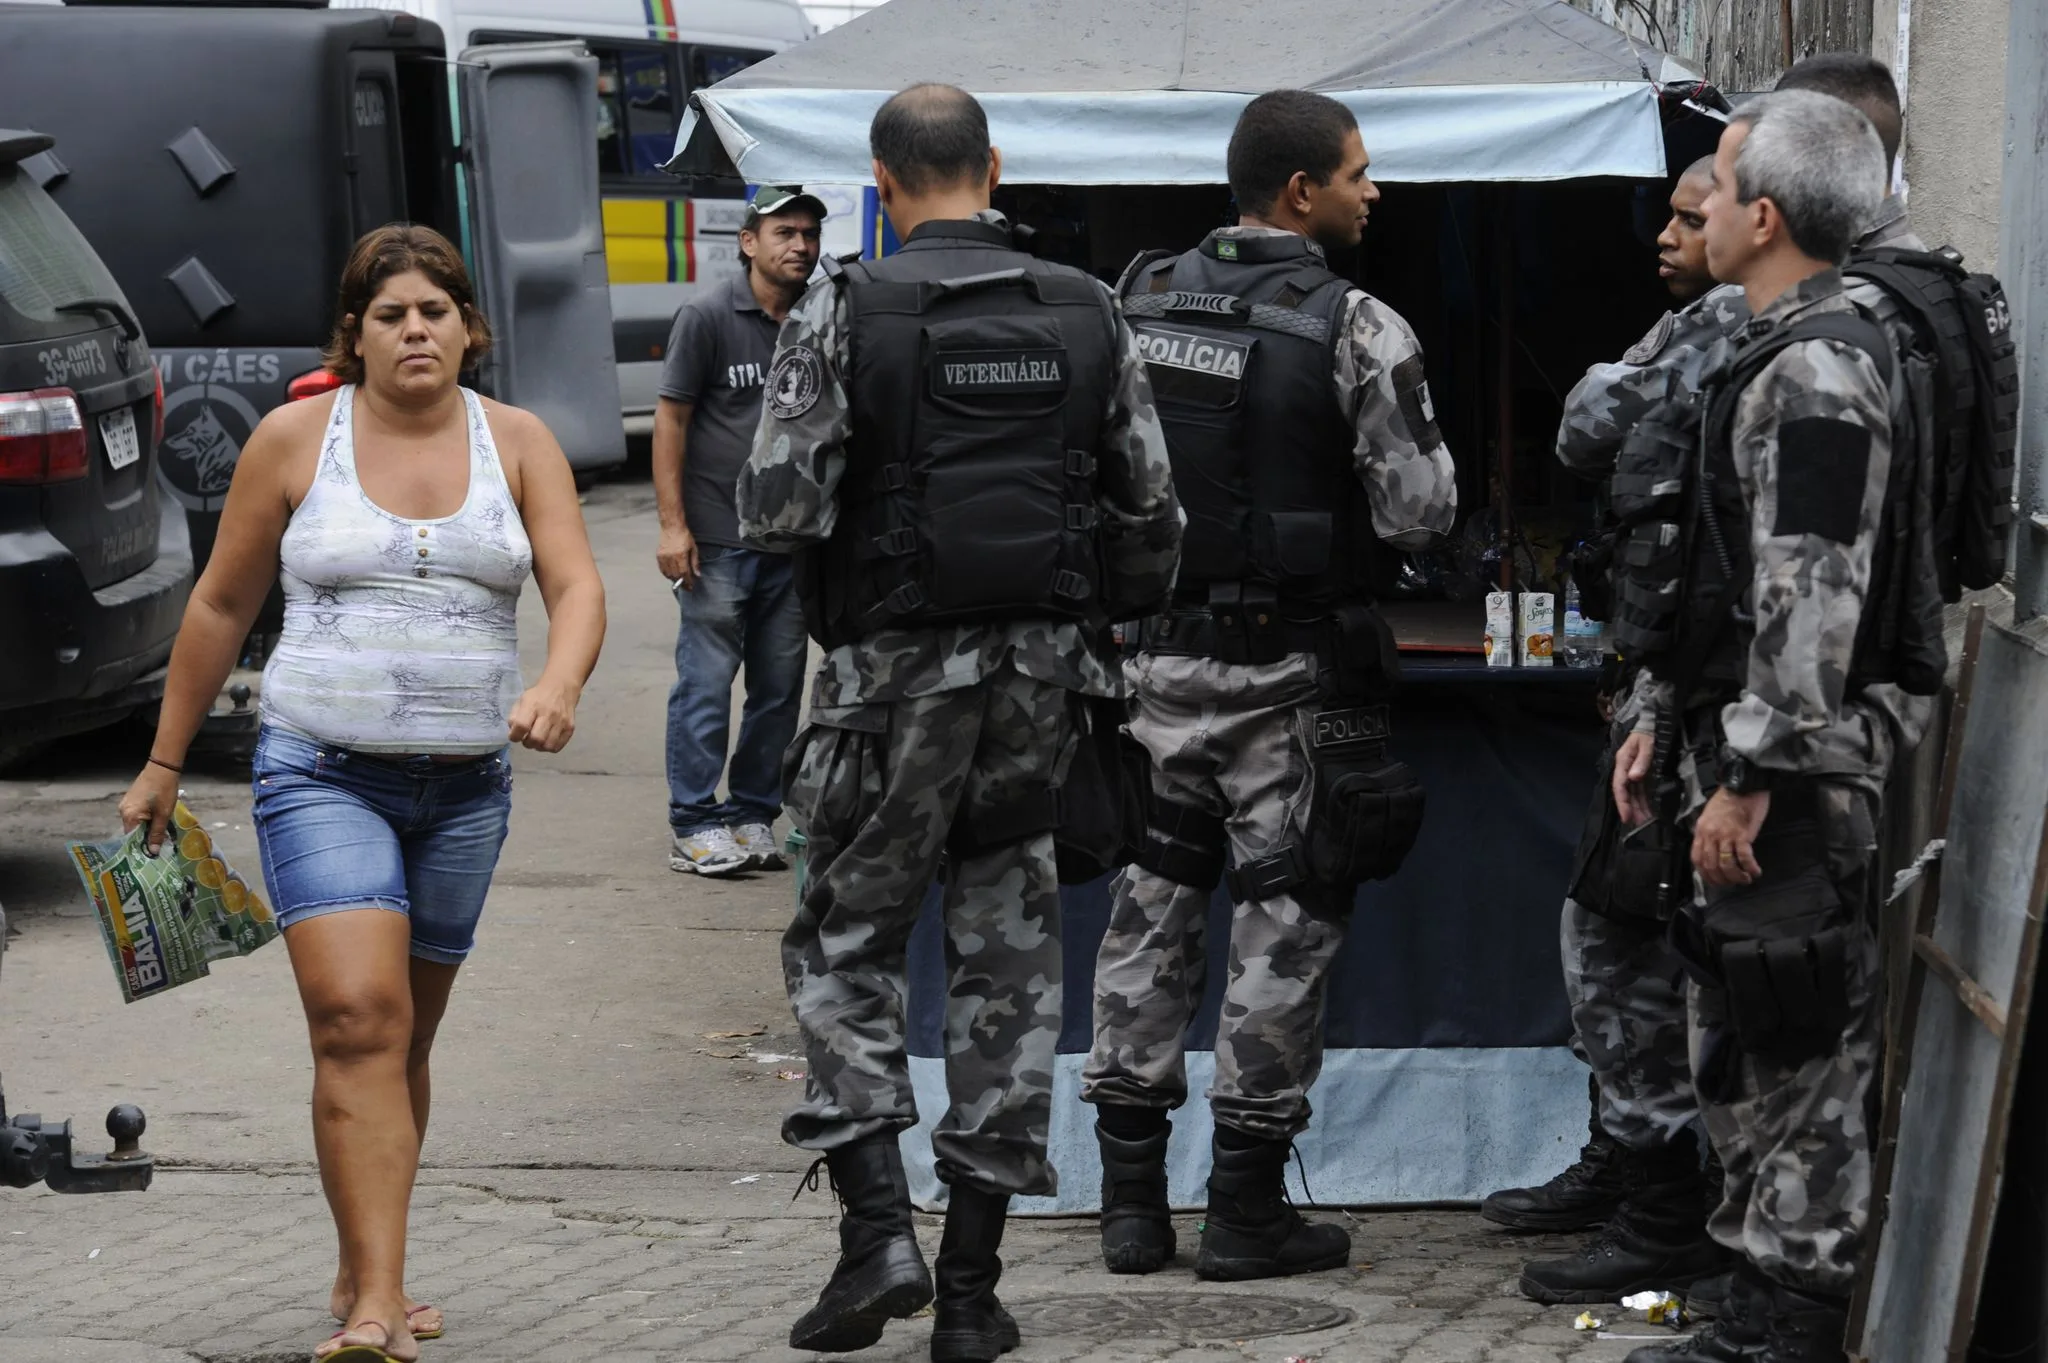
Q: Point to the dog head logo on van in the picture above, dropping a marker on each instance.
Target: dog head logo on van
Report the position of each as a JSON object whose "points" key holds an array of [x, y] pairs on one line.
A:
{"points": [[205, 427]]}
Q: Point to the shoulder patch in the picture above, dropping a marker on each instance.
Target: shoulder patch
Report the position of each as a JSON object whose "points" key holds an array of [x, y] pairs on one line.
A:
{"points": [[1652, 345], [1411, 392], [794, 382], [1823, 468]]}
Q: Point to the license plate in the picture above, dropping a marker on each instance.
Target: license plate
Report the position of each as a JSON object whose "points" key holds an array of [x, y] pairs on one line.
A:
{"points": [[117, 433]]}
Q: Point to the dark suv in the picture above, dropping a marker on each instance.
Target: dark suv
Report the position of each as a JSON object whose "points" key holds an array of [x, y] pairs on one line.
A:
{"points": [[94, 565]]}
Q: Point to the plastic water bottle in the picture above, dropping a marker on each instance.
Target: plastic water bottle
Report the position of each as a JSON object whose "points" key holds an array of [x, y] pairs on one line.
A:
{"points": [[1584, 639]]}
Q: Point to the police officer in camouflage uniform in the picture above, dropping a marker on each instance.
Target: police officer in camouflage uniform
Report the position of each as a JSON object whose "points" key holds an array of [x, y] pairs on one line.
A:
{"points": [[1640, 1172], [1779, 759], [1300, 426], [960, 443]]}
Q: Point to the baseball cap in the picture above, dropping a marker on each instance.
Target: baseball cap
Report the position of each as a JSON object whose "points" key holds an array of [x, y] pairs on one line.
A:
{"points": [[769, 200]]}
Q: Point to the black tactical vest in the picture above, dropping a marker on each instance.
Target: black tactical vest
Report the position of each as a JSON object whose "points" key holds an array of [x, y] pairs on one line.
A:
{"points": [[1685, 568], [980, 382], [1239, 338]]}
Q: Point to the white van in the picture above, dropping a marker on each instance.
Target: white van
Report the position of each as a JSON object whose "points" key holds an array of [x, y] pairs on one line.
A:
{"points": [[663, 237]]}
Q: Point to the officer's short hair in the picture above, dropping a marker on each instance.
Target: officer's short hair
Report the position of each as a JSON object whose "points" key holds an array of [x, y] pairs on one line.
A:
{"points": [[1816, 158], [1863, 81], [1280, 132], [929, 136]]}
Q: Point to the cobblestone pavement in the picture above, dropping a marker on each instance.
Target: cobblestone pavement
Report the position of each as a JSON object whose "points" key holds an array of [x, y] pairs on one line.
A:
{"points": [[637, 1266]]}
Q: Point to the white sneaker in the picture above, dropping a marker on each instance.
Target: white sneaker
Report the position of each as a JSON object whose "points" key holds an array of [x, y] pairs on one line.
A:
{"points": [[708, 852], [757, 840]]}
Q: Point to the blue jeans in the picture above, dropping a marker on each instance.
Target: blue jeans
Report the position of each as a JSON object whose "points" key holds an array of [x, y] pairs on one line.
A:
{"points": [[744, 610], [344, 830]]}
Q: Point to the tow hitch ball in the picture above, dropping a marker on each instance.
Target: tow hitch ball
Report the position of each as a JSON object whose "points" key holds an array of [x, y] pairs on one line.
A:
{"points": [[33, 1151]]}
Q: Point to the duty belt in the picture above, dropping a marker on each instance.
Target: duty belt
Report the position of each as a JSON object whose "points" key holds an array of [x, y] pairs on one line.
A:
{"points": [[1233, 635]]}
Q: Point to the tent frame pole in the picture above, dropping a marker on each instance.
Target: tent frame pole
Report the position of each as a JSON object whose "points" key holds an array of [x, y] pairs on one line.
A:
{"points": [[1504, 379]]}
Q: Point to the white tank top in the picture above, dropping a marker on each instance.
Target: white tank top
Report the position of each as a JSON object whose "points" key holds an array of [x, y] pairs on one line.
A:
{"points": [[399, 635]]}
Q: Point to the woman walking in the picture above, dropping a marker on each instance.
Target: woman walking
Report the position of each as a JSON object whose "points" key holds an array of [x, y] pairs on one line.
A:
{"points": [[404, 513]]}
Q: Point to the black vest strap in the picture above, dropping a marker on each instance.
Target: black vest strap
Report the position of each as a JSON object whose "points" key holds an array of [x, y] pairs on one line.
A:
{"points": [[1288, 320]]}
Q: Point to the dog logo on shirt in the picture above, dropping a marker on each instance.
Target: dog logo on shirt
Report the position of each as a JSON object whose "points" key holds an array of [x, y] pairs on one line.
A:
{"points": [[794, 382]]}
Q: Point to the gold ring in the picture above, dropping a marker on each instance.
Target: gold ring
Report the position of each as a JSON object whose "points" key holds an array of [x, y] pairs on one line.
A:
{"points": [[1726, 855]]}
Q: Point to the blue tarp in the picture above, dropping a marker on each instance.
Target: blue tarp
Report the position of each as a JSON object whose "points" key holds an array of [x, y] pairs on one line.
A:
{"points": [[1447, 1073]]}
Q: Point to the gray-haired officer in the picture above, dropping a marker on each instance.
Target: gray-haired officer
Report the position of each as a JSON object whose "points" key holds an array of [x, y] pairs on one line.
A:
{"points": [[1755, 716], [1300, 426]]}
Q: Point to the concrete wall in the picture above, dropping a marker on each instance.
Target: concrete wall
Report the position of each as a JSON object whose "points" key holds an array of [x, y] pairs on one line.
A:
{"points": [[2025, 271], [1955, 122]]}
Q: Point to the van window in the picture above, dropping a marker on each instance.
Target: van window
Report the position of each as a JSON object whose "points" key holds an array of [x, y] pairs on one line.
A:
{"points": [[710, 65], [646, 94], [637, 109], [45, 263], [640, 89]]}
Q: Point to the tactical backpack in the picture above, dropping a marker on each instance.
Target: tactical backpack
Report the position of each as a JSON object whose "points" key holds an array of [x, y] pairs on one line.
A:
{"points": [[1961, 324]]}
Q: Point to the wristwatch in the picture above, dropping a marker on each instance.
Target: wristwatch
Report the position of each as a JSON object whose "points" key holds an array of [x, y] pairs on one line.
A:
{"points": [[1740, 776]]}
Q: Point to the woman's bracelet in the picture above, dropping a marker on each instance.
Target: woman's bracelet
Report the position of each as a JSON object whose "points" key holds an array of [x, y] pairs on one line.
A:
{"points": [[158, 761]]}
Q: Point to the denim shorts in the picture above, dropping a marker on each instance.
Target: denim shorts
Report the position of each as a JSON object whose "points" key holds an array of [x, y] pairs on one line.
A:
{"points": [[340, 829]]}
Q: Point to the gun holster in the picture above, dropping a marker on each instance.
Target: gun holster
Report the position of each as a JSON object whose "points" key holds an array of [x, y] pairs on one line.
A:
{"points": [[1780, 953]]}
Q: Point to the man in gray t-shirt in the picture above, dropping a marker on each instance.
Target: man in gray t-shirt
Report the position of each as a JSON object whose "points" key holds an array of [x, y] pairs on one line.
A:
{"points": [[739, 605]]}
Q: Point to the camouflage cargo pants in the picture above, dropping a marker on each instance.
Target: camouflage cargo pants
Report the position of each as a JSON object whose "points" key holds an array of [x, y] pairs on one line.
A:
{"points": [[1226, 739], [1627, 991], [1626, 987], [1794, 1135], [876, 790]]}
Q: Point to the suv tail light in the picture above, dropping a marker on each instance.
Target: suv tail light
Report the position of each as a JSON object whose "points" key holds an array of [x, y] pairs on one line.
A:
{"points": [[311, 385], [158, 438], [42, 436]]}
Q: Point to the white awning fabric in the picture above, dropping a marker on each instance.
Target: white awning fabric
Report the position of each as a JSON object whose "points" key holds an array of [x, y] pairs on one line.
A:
{"points": [[1145, 92]]}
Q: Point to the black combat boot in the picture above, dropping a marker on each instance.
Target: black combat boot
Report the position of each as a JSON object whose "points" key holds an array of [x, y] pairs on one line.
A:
{"points": [[1580, 1198], [1137, 1224], [1708, 1298], [1704, 1298], [1658, 1237], [1736, 1335], [971, 1325], [1251, 1230], [1802, 1327], [880, 1275]]}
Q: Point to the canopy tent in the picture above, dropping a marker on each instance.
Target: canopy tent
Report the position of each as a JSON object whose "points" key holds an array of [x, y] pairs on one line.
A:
{"points": [[1145, 92]]}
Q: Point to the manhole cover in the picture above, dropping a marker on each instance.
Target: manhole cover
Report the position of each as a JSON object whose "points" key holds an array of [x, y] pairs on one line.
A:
{"points": [[1188, 1317]]}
